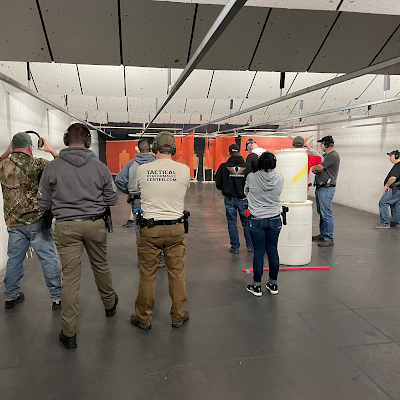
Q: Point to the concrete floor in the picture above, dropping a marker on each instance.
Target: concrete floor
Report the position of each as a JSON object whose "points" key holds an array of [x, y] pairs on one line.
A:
{"points": [[327, 335]]}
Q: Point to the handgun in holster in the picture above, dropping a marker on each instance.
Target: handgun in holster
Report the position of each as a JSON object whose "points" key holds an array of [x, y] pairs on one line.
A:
{"points": [[139, 218], [47, 219], [246, 210], [108, 220], [285, 210], [395, 187], [186, 215]]}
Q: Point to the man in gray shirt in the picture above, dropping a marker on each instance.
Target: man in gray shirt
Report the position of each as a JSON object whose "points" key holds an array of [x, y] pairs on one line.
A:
{"points": [[325, 179]]}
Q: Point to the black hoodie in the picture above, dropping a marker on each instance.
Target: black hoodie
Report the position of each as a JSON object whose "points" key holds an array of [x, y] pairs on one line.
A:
{"points": [[231, 177]]}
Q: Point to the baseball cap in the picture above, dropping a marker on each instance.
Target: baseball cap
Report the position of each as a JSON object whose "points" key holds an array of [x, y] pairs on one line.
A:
{"points": [[165, 138], [233, 148], [298, 141], [394, 153], [21, 140], [326, 139]]}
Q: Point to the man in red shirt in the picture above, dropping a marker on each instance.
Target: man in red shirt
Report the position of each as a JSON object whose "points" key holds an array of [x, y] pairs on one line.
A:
{"points": [[314, 158]]}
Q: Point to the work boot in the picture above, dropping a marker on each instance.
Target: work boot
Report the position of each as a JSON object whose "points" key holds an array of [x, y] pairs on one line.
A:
{"points": [[68, 341], [233, 251], [110, 312], [317, 238], [12, 303], [180, 323], [326, 243], [136, 322]]}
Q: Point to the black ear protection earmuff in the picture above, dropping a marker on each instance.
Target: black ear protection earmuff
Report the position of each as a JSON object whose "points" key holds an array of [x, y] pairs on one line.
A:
{"points": [[88, 140], [155, 146], [249, 144], [327, 144], [40, 140], [397, 156]]}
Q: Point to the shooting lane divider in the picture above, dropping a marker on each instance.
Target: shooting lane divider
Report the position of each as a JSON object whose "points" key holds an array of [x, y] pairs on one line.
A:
{"points": [[248, 270]]}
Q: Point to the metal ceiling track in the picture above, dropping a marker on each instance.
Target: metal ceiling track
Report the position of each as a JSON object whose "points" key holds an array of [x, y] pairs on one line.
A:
{"points": [[309, 89], [221, 23], [324, 112], [24, 89]]}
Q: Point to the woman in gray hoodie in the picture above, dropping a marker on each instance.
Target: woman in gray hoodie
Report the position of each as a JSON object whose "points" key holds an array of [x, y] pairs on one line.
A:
{"points": [[263, 189]]}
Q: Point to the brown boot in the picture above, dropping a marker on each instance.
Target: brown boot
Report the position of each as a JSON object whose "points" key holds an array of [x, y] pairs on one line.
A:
{"points": [[11, 303]]}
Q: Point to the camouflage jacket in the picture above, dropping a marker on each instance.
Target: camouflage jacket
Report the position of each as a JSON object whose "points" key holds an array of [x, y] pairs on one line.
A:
{"points": [[19, 177]]}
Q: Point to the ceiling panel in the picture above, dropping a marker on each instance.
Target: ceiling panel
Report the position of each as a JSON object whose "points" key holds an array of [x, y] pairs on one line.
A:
{"points": [[82, 32], [230, 84], [108, 104], [82, 103], [156, 34], [391, 50], [291, 39], [199, 106], [118, 117], [175, 106], [354, 42], [142, 106], [56, 78], [56, 98], [146, 82], [180, 119], [304, 80], [222, 106], [21, 32], [97, 117], [196, 85], [15, 70], [251, 103], [266, 85], [141, 118], [389, 7], [102, 80], [234, 48]]}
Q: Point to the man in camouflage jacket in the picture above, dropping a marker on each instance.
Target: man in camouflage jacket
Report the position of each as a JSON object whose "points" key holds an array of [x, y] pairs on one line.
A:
{"points": [[19, 176]]}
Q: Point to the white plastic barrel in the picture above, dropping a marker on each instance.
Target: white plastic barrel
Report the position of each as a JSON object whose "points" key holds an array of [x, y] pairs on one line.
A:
{"points": [[293, 165], [295, 239]]}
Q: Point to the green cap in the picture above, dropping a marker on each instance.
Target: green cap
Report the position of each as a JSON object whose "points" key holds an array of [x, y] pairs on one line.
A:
{"points": [[165, 138], [21, 140]]}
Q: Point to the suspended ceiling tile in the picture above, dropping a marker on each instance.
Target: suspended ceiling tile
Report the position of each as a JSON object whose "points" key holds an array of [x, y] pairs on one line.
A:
{"points": [[156, 34], [391, 50], [97, 117], [375, 89], [118, 117], [199, 106], [234, 48], [239, 120], [222, 106], [354, 42], [389, 7], [146, 82], [230, 84], [266, 85], [21, 32], [252, 103], [291, 39], [163, 119], [304, 80], [142, 106], [108, 104], [196, 85], [140, 118], [82, 32], [102, 80], [199, 118], [80, 114], [15, 70], [56, 78], [56, 98], [180, 119], [82, 103], [175, 106]]}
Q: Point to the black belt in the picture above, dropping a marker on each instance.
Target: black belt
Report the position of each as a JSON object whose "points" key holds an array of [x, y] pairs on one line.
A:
{"points": [[169, 222], [91, 218], [324, 186]]}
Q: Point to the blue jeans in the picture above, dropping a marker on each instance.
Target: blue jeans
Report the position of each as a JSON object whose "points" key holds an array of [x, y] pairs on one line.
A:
{"points": [[264, 234], [324, 198], [19, 240], [391, 200], [232, 206]]}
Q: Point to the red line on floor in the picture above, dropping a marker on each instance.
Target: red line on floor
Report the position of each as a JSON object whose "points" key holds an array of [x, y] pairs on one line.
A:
{"points": [[289, 268]]}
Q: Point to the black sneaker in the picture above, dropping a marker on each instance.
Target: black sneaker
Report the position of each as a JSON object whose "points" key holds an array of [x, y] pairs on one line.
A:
{"points": [[253, 289], [68, 341], [129, 223], [233, 251], [12, 303], [136, 322], [272, 287], [326, 243], [110, 312], [180, 323], [317, 238], [56, 305]]}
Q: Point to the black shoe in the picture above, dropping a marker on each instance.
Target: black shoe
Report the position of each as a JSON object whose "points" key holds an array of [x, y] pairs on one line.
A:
{"points": [[136, 322], [12, 303], [326, 243], [233, 251], [253, 289], [56, 305], [129, 223], [317, 238], [272, 287], [68, 341], [180, 323], [113, 309], [250, 250]]}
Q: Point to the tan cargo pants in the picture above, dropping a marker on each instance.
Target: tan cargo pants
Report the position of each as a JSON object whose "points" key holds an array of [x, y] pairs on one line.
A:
{"points": [[170, 239], [70, 237]]}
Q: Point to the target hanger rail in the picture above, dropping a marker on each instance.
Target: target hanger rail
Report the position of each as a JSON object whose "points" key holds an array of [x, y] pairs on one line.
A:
{"points": [[221, 23], [12, 82], [309, 89]]}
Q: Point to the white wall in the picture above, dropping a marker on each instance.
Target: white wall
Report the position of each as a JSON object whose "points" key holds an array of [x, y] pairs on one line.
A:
{"points": [[20, 112], [364, 163]]}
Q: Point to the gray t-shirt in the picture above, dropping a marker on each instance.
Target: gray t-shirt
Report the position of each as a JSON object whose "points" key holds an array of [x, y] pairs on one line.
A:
{"points": [[331, 168]]}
